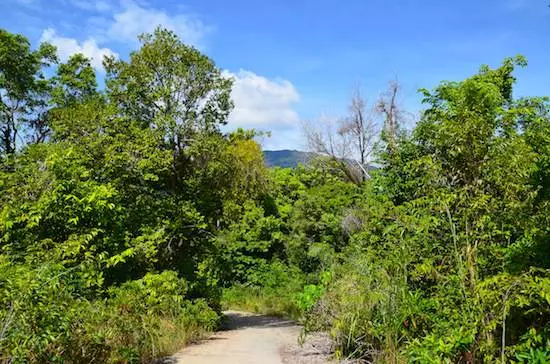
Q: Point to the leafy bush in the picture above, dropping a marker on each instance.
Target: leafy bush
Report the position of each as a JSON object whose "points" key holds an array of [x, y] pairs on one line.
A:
{"points": [[44, 320], [274, 291], [109, 209], [448, 264]]}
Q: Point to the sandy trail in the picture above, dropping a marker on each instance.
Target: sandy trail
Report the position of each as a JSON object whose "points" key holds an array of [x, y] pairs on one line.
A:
{"points": [[249, 338]]}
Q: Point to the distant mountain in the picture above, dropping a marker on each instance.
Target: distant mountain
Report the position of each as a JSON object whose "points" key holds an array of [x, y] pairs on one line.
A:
{"points": [[286, 158], [291, 158]]}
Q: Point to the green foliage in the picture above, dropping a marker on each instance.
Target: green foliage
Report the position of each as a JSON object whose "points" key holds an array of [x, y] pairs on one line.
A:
{"points": [[272, 290], [250, 244], [108, 224], [312, 292], [128, 211], [535, 355], [75, 81], [22, 83], [448, 264], [44, 319], [37, 308], [162, 65]]}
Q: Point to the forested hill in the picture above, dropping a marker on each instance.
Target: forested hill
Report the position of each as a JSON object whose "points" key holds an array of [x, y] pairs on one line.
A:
{"points": [[286, 158]]}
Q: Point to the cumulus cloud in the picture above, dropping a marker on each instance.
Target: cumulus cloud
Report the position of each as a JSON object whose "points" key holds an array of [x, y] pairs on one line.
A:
{"points": [[261, 102], [267, 105], [134, 19], [69, 46], [122, 21]]}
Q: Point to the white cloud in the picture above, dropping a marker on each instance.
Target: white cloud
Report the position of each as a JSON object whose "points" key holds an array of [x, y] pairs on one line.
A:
{"points": [[69, 46], [94, 5], [121, 22], [260, 102], [134, 19], [264, 104]]}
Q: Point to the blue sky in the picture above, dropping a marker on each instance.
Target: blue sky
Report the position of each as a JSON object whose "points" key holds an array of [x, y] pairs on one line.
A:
{"points": [[296, 60]]}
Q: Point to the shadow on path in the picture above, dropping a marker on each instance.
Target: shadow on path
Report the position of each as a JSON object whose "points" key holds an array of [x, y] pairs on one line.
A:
{"points": [[240, 320]]}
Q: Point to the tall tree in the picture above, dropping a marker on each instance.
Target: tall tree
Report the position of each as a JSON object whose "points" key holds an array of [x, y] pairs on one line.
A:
{"points": [[174, 91], [387, 106], [23, 88], [75, 81], [171, 87]]}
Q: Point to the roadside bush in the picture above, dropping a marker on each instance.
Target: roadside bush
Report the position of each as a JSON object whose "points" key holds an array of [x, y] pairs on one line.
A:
{"points": [[42, 320], [274, 291], [450, 263], [37, 312]]}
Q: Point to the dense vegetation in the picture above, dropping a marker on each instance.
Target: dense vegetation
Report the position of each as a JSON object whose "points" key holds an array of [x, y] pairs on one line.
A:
{"points": [[110, 200], [128, 219]]}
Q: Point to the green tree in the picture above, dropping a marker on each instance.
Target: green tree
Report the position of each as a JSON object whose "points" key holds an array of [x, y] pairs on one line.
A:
{"points": [[75, 81], [23, 90], [171, 87]]}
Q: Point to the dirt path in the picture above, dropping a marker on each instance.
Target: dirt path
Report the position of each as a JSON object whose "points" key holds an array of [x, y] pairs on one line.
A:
{"points": [[250, 338]]}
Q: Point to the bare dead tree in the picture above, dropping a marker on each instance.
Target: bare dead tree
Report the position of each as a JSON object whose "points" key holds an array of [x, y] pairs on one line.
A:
{"points": [[349, 141], [322, 137], [387, 107], [360, 124]]}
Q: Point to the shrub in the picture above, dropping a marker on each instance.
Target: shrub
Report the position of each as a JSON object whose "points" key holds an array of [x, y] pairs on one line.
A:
{"points": [[274, 292], [43, 320]]}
